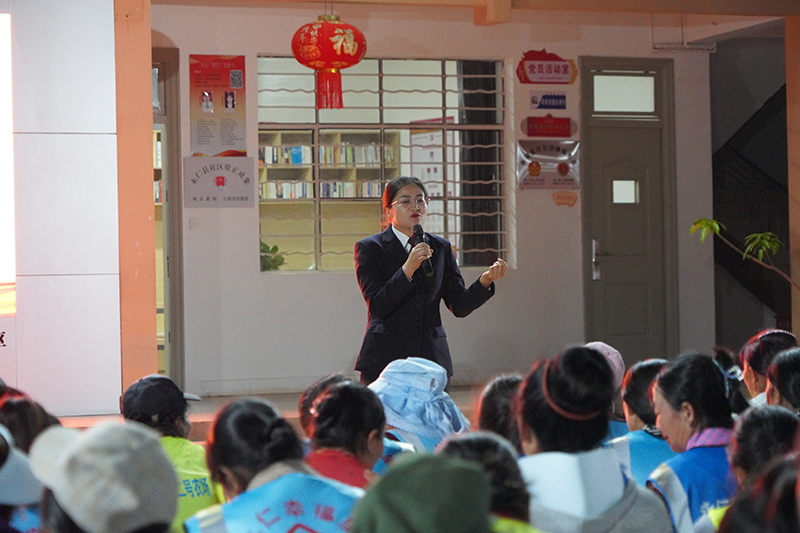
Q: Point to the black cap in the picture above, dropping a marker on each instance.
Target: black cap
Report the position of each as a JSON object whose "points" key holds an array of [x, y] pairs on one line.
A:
{"points": [[153, 399]]}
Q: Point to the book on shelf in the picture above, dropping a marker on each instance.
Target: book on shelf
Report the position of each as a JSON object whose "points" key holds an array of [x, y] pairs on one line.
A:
{"points": [[284, 155], [158, 189]]}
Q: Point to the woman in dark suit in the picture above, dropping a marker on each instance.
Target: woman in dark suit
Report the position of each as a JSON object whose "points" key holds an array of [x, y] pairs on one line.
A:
{"points": [[403, 284]]}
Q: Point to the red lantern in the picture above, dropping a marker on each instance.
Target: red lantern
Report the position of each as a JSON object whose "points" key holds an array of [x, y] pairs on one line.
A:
{"points": [[329, 45]]}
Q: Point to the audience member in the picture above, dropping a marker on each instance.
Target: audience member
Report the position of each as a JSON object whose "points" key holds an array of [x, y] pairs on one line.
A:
{"points": [[391, 448], [420, 412], [783, 380], [644, 448], [575, 485], [694, 415], [755, 357], [349, 427], [25, 419], [510, 499], [18, 486], [156, 401], [425, 493], [761, 435], [111, 478], [494, 409], [257, 457], [616, 421], [726, 359], [768, 506]]}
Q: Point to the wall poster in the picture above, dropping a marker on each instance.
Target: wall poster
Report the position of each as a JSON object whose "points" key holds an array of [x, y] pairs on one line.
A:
{"points": [[548, 164], [217, 106], [218, 182]]}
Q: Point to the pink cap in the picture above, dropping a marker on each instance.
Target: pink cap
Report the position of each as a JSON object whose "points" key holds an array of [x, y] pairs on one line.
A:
{"points": [[614, 360]]}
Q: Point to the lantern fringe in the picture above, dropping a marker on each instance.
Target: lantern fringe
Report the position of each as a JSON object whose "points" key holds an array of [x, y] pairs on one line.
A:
{"points": [[329, 89]]}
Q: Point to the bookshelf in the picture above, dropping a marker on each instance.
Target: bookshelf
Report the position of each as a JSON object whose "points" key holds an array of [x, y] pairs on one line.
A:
{"points": [[293, 165], [320, 191]]}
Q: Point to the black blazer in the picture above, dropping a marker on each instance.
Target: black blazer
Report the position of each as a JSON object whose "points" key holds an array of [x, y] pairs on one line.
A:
{"points": [[403, 317]]}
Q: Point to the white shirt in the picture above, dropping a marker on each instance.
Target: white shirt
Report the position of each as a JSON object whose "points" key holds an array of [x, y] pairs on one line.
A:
{"points": [[403, 238]]}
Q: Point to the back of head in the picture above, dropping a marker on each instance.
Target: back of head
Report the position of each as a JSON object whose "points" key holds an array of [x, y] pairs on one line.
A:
{"points": [[757, 353], [345, 415], [156, 401], [111, 478], [308, 397], [784, 374], [726, 359], [248, 436], [762, 434], [498, 458], [494, 411], [698, 380], [636, 388], [25, 419], [768, 505], [565, 401], [424, 493]]}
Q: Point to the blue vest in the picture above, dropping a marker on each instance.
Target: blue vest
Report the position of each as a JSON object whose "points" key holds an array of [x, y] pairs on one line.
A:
{"points": [[293, 502], [640, 453], [391, 449], [694, 482]]}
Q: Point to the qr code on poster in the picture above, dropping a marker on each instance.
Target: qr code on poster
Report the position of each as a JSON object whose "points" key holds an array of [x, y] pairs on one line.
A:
{"points": [[237, 79]]}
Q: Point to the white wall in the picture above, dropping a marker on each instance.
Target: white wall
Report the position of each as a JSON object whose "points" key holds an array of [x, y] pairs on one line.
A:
{"points": [[68, 314], [248, 332]]}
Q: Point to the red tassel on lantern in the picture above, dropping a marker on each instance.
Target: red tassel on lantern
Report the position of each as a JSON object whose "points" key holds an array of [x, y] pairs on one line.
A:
{"points": [[327, 46]]}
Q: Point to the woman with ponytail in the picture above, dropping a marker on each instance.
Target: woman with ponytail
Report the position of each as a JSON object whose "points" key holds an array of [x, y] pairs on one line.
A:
{"points": [[575, 484], [349, 425], [257, 458]]}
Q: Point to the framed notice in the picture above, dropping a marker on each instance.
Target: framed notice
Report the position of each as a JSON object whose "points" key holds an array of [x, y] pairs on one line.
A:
{"points": [[218, 182], [217, 105], [548, 164]]}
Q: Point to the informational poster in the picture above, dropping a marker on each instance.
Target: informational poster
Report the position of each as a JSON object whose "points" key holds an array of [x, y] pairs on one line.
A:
{"points": [[548, 164], [218, 182], [548, 126], [217, 106], [540, 66], [548, 100]]}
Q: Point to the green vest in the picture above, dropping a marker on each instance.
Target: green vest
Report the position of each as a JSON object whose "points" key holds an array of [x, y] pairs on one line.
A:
{"points": [[196, 491]]}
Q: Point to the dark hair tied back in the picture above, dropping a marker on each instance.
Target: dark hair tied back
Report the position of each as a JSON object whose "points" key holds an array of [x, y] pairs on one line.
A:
{"points": [[346, 414], [249, 435], [579, 381]]}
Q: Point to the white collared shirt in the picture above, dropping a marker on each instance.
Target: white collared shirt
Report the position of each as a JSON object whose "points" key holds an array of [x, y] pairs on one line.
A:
{"points": [[403, 238]]}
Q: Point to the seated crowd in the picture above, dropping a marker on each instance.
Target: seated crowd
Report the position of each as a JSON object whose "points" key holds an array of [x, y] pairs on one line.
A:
{"points": [[579, 444]]}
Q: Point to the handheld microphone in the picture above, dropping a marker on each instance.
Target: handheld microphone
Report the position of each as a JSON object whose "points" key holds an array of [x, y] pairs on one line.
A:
{"points": [[418, 237]]}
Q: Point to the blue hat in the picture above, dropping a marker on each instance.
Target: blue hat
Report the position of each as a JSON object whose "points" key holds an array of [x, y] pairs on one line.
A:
{"points": [[413, 397], [18, 486]]}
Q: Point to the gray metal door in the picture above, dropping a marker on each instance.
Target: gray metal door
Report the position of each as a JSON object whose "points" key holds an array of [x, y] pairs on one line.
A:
{"points": [[628, 206]]}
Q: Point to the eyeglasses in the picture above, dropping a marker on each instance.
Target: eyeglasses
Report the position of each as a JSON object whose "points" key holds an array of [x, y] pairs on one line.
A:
{"points": [[408, 202]]}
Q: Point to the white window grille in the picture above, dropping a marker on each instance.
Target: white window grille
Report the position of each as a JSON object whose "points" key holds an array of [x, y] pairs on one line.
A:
{"points": [[322, 171]]}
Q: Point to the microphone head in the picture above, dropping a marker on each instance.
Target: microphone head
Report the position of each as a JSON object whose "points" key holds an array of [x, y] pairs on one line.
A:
{"points": [[417, 229]]}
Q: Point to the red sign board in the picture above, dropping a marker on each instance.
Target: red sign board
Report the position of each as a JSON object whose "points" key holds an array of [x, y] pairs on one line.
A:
{"points": [[540, 66], [548, 126]]}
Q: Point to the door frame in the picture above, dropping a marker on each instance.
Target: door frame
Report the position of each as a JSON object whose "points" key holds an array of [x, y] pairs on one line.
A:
{"points": [[173, 199], [665, 100]]}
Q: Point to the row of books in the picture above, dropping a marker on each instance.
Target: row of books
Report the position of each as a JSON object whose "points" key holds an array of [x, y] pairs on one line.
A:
{"points": [[346, 154], [284, 155], [328, 189]]}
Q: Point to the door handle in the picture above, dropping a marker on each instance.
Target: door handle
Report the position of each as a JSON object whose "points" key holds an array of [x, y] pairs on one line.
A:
{"points": [[596, 253]]}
